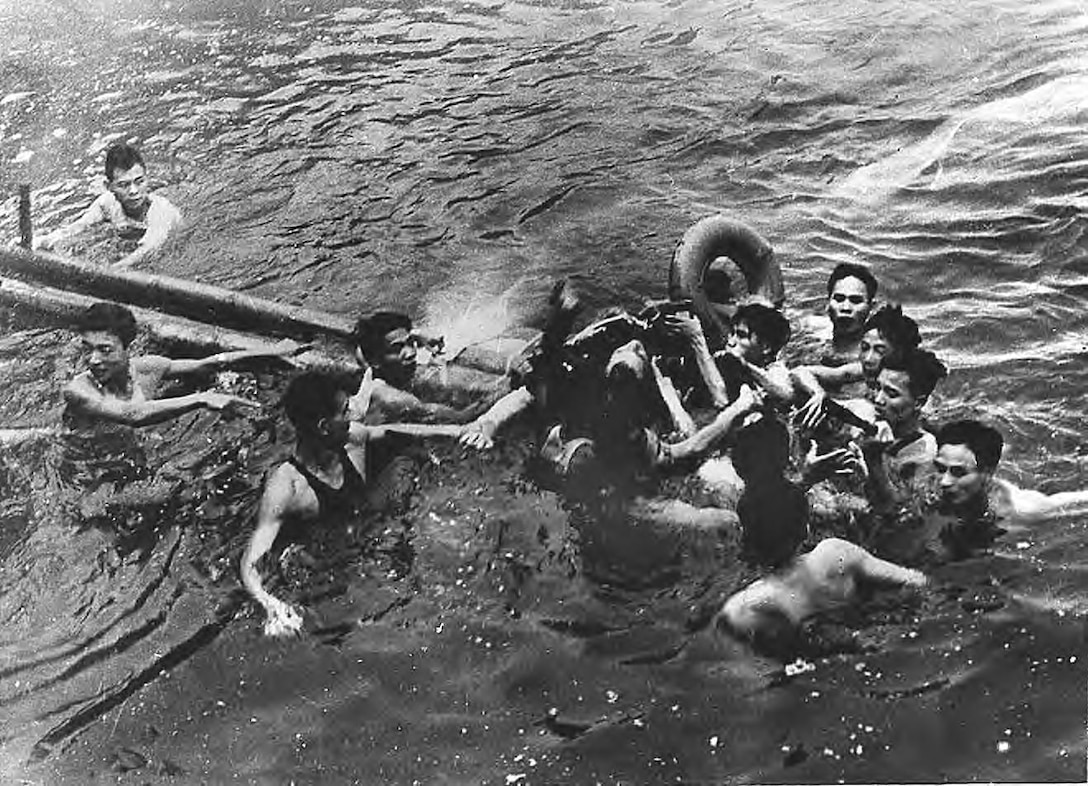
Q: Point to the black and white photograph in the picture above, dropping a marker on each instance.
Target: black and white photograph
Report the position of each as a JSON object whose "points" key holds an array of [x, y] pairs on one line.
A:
{"points": [[543, 392]]}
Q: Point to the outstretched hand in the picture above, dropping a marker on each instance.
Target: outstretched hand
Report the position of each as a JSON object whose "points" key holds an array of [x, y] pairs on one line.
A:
{"points": [[841, 462], [287, 348], [812, 413], [282, 619], [479, 434], [225, 401]]}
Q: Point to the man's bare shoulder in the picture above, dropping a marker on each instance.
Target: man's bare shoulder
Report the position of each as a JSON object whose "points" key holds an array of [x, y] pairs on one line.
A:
{"points": [[287, 491]]}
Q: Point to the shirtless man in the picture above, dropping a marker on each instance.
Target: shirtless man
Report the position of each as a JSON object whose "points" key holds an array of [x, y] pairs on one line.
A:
{"points": [[888, 333], [851, 291], [325, 479], [127, 204], [901, 447], [772, 608], [386, 347], [972, 507], [122, 388]]}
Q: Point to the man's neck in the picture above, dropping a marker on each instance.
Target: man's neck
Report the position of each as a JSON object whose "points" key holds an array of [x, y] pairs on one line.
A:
{"points": [[908, 427], [319, 456]]}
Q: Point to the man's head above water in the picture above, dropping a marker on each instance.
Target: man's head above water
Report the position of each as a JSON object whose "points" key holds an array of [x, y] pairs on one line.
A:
{"points": [[968, 452], [383, 340], [758, 333], [106, 330], [889, 333], [851, 290], [126, 177], [316, 404]]}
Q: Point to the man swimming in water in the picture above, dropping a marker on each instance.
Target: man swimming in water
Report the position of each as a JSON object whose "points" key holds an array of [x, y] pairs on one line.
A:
{"points": [[888, 333], [136, 214], [902, 447], [851, 293], [122, 388], [325, 482], [769, 611], [386, 346], [972, 507]]}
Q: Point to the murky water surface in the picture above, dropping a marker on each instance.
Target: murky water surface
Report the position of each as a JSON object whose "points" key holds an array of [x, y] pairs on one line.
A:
{"points": [[453, 158]]}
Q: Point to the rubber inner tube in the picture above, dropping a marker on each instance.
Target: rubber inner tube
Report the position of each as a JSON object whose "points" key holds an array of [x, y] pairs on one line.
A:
{"points": [[721, 236]]}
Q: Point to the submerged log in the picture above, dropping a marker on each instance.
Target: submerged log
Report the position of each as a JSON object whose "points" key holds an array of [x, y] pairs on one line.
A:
{"points": [[201, 302]]}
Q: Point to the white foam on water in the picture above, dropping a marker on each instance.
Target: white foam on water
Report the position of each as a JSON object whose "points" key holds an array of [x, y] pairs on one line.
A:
{"points": [[1059, 98]]}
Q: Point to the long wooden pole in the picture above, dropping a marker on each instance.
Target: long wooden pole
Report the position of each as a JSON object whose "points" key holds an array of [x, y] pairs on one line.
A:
{"points": [[26, 228], [201, 302], [66, 308]]}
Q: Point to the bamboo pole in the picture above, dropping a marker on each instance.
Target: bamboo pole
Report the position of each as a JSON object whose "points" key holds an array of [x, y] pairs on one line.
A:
{"points": [[190, 299], [26, 230]]}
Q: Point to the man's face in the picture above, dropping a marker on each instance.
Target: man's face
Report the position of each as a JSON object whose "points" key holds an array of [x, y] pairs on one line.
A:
{"points": [[107, 357], [893, 398], [130, 187], [848, 306], [743, 343], [334, 428], [398, 360], [960, 480], [872, 351]]}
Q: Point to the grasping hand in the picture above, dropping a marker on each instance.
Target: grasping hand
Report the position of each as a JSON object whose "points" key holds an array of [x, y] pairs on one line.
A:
{"points": [[479, 434], [684, 325], [225, 401]]}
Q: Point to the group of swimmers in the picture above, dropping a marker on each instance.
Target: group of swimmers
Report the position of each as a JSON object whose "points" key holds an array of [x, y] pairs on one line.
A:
{"points": [[627, 405]]}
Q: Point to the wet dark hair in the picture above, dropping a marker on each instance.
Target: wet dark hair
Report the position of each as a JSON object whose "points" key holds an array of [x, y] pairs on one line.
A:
{"points": [[312, 396], [768, 324], [120, 157], [370, 331], [896, 327], [761, 448], [853, 270], [982, 439], [922, 367], [109, 318]]}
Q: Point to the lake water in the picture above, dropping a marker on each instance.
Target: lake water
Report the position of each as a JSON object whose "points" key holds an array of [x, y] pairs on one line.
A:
{"points": [[453, 158]]}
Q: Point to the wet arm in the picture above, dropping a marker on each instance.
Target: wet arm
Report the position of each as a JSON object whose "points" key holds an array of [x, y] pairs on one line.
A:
{"points": [[701, 441], [480, 433], [775, 380], [94, 214], [175, 367], [1029, 506], [134, 413], [161, 220], [681, 420], [280, 499]]}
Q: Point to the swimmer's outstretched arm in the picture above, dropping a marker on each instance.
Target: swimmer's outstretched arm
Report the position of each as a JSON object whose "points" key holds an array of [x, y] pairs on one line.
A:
{"points": [[94, 214], [360, 434], [80, 394], [702, 440], [480, 433], [1028, 506], [838, 557], [282, 497], [171, 367]]}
